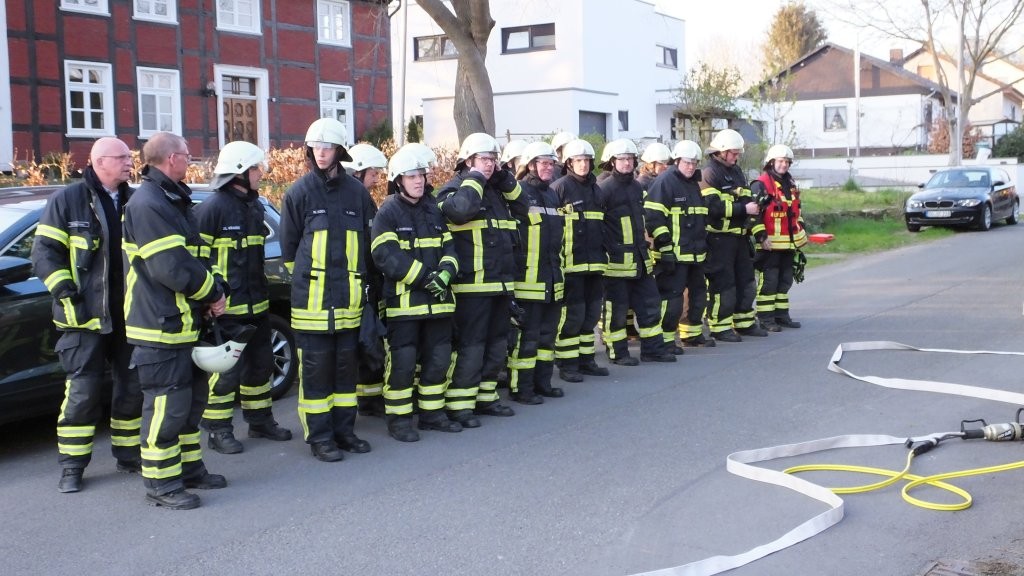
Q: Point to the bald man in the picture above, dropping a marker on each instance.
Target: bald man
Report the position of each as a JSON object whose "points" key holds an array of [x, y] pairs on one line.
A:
{"points": [[77, 254]]}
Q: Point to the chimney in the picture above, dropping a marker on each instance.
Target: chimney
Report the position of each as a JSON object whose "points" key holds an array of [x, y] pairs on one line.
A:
{"points": [[896, 55]]}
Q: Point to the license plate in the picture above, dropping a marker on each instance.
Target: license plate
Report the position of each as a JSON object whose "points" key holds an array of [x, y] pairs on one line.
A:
{"points": [[938, 213]]}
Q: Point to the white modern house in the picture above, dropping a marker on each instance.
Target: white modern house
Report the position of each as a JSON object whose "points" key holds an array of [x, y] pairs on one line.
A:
{"points": [[609, 67]]}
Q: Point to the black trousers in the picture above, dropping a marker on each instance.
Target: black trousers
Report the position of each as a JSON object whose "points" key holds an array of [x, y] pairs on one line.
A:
{"points": [[174, 392], [249, 379], [86, 356], [731, 289], [480, 339], [531, 363], [584, 293], [327, 384], [687, 281], [776, 280], [641, 296], [426, 342]]}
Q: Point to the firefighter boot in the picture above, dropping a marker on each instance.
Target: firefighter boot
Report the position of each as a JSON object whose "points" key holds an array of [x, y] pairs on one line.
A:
{"points": [[590, 367], [224, 441], [70, 480], [269, 430], [206, 481], [177, 500], [326, 452], [437, 420], [786, 321], [400, 428]]}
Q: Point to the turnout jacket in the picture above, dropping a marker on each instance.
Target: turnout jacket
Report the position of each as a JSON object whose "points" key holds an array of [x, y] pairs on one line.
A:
{"points": [[72, 254], [542, 231], [583, 206], [725, 194], [780, 210], [168, 285], [480, 218], [409, 242], [676, 216], [624, 233], [231, 224], [325, 245]]}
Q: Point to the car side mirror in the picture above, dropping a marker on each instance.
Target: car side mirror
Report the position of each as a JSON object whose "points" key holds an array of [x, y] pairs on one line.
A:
{"points": [[921, 185], [14, 269]]}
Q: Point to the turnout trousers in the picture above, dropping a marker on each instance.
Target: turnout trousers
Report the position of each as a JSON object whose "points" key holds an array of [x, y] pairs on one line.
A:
{"points": [[327, 384], [531, 363], [685, 280], [428, 343], [641, 296], [85, 357], [775, 281], [249, 379], [174, 392], [584, 293], [480, 338], [730, 272]]}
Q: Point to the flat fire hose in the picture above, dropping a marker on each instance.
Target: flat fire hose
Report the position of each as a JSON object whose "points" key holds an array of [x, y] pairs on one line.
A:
{"points": [[740, 463]]}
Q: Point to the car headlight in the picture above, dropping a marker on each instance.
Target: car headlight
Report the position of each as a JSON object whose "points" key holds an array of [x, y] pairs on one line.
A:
{"points": [[968, 202], [914, 204]]}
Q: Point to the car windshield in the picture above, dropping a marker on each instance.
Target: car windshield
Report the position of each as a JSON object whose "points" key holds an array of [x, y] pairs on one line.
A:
{"points": [[9, 216], [960, 179]]}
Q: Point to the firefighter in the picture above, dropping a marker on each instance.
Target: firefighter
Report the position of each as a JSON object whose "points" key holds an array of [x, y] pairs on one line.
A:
{"points": [[367, 166], [77, 254], [783, 235], [580, 201], [510, 155], [656, 159], [731, 220], [325, 233], [414, 250], [169, 291], [231, 222], [628, 283], [676, 218], [558, 142], [539, 283], [479, 203]]}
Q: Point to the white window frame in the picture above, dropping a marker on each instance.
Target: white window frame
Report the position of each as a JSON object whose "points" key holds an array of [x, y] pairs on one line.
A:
{"points": [[834, 109], [170, 18], [446, 49], [329, 108], [663, 52], [262, 78], [174, 92], [256, 27], [330, 9], [100, 7], [106, 88]]}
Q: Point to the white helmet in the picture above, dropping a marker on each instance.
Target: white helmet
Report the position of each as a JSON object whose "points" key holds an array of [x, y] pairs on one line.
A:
{"points": [[330, 131], [577, 148], [686, 150], [512, 151], [778, 151], [617, 147], [727, 139], [221, 356], [404, 162], [476, 143], [365, 156], [561, 139], [656, 152], [234, 159], [422, 151], [536, 150]]}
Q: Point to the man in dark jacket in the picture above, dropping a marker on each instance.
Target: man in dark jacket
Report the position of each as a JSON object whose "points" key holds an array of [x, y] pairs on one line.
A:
{"points": [[169, 291], [77, 254]]}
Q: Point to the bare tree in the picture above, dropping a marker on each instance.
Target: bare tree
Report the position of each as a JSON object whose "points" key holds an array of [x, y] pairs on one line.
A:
{"points": [[706, 94], [795, 30], [468, 24], [978, 30]]}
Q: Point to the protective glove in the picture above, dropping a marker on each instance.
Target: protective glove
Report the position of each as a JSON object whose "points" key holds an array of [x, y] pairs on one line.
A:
{"points": [[517, 314], [437, 284], [503, 180], [799, 264]]}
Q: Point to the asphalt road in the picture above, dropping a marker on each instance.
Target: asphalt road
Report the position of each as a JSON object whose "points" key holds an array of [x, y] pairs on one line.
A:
{"points": [[624, 475]]}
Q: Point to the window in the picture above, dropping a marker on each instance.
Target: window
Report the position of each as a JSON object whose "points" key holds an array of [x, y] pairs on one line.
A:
{"points": [[159, 101], [668, 57], [333, 22], [156, 10], [528, 38], [623, 120], [835, 118], [433, 48], [90, 6], [88, 89], [336, 102], [239, 16]]}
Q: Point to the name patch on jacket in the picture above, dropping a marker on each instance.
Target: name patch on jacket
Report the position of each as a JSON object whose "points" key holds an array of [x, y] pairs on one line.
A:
{"points": [[234, 228], [78, 224], [350, 212], [318, 211]]}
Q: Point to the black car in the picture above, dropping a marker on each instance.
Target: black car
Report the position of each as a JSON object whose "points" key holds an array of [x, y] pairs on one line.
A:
{"points": [[31, 378], [972, 196]]}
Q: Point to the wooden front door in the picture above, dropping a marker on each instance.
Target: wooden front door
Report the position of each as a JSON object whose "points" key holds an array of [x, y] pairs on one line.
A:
{"points": [[240, 117]]}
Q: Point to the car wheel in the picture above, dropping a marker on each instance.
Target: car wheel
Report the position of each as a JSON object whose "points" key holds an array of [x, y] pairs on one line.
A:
{"points": [[913, 227], [1012, 218], [282, 342], [985, 219]]}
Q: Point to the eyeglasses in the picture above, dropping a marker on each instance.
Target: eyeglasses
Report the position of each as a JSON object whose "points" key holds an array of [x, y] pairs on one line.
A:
{"points": [[188, 157], [623, 157], [317, 145], [546, 163], [491, 159], [122, 157]]}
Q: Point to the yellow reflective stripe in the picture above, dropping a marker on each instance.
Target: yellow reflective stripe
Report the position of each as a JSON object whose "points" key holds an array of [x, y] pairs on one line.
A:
{"points": [[414, 271], [345, 400], [478, 256], [256, 404], [255, 390], [482, 287], [484, 223], [656, 206], [125, 424], [191, 438], [434, 242], [52, 233], [593, 215], [290, 267], [76, 431], [511, 196], [454, 262], [382, 239], [162, 244], [222, 414], [315, 300], [474, 185], [150, 335], [205, 289], [352, 255], [191, 455], [53, 280], [124, 441], [75, 449]]}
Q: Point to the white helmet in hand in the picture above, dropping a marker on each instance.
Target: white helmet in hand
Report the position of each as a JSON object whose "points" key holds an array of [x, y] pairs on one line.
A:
{"points": [[221, 356]]}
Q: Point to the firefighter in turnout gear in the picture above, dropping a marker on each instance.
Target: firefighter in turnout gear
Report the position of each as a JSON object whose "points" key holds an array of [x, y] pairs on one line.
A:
{"points": [[77, 254], [586, 260], [676, 218], [325, 244], [414, 250], [783, 235], [367, 166], [479, 203], [731, 221], [231, 222], [628, 282], [169, 289], [539, 283], [655, 160]]}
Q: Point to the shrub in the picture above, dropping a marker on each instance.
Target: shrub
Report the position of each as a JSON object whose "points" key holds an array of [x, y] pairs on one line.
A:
{"points": [[1011, 145]]}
